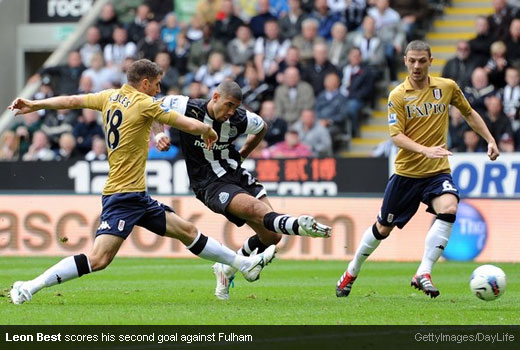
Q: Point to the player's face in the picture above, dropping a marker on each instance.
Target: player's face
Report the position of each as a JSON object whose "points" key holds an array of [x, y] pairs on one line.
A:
{"points": [[152, 88], [418, 63], [224, 107]]}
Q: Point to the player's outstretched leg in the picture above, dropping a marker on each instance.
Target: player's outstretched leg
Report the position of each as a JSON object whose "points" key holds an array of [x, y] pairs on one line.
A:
{"points": [[370, 241], [304, 225]]}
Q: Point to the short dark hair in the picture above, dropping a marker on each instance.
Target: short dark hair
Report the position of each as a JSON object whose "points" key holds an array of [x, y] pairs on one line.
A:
{"points": [[230, 88], [418, 45], [143, 69]]}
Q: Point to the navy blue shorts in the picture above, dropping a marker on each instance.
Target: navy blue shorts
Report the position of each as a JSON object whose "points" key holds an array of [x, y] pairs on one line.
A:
{"points": [[122, 211], [404, 194], [219, 193]]}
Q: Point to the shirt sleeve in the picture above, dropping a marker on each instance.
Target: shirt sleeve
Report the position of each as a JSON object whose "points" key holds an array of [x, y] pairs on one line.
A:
{"points": [[157, 110], [255, 123], [178, 103], [97, 101], [459, 100], [396, 114]]}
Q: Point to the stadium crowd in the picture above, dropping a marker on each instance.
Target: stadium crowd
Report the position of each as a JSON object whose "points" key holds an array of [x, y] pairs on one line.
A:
{"points": [[310, 68]]}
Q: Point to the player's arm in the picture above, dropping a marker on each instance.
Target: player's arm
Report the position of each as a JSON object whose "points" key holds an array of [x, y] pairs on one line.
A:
{"points": [[23, 106], [191, 126], [404, 142], [162, 141], [476, 122], [252, 141]]}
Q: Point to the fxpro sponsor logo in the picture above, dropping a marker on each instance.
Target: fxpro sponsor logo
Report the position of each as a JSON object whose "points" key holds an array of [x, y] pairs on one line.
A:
{"points": [[468, 236], [476, 176]]}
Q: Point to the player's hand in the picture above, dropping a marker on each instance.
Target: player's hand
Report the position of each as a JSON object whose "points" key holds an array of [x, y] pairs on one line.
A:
{"points": [[162, 142], [493, 152], [22, 106], [436, 152], [210, 137]]}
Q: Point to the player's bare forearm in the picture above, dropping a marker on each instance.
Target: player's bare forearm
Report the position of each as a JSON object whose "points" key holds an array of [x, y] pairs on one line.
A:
{"points": [[190, 125], [157, 128], [404, 142], [476, 122], [22, 106], [251, 142]]}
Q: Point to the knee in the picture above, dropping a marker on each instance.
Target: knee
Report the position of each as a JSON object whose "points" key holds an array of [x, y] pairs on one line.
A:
{"points": [[383, 230], [268, 238], [256, 212], [100, 261]]}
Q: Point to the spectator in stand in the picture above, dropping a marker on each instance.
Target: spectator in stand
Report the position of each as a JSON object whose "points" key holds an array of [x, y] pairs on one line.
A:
{"points": [[86, 86], [293, 96], [169, 31], [258, 22], [413, 15], [170, 76], [279, 8], [355, 11], [91, 46], [39, 148], [98, 151], [456, 130], [227, 25], [57, 123], [246, 9], [65, 77], [106, 24], [116, 53], [195, 30], [277, 127], [497, 65], [102, 77], [313, 134], [460, 67], [291, 59], [472, 142], [479, 90], [307, 39], [67, 148], [510, 96], [208, 10], [331, 112], [213, 73], [200, 50], [388, 28], [319, 66], [291, 147], [325, 18], [242, 48], [270, 51], [254, 91], [291, 23], [151, 44], [499, 124], [25, 130], [160, 8], [138, 25], [86, 129], [195, 90], [339, 45], [358, 86], [371, 46], [9, 146], [180, 55], [513, 43], [483, 40], [501, 18]]}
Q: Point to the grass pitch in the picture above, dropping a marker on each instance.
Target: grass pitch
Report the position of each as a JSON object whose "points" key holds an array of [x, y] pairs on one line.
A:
{"points": [[180, 291]]}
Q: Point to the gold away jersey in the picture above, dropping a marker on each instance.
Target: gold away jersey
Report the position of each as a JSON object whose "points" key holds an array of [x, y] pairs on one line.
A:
{"points": [[127, 117], [422, 116]]}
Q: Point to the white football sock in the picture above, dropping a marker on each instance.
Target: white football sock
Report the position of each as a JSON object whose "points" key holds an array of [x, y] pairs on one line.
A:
{"points": [[436, 240], [63, 271], [215, 251], [368, 244]]}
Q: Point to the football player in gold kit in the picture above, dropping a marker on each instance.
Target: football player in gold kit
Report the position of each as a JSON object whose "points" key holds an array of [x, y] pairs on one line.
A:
{"points": [[128, 114], [418, 121]]}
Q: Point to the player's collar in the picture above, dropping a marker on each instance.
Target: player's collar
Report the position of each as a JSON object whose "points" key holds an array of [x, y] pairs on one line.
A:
{"points": [[408, 86]]}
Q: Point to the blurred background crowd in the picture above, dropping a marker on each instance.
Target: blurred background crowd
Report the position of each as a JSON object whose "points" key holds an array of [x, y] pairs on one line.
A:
{"points": [[311, 68]]}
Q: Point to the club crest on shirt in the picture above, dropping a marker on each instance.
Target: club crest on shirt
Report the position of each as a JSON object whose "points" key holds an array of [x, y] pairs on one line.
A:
{"points": [[223, 197], [437, 93]]}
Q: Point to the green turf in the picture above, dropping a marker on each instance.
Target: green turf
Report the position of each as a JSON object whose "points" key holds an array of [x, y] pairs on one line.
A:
{"points": [[180, 291]]}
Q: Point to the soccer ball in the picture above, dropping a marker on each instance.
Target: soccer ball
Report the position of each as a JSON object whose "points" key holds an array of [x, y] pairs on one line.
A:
{"points": [[488, 282]]}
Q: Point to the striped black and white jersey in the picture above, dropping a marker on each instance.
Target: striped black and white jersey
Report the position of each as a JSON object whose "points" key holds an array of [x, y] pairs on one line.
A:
{"points": [[206, 165]]}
